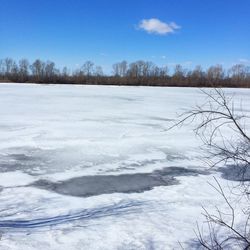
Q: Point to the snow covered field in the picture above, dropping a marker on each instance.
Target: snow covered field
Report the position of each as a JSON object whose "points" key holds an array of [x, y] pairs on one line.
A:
{"points": [[52, 138]]}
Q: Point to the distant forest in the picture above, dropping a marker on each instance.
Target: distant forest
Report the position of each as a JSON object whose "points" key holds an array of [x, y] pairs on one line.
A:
{"points": [[139, 73]]}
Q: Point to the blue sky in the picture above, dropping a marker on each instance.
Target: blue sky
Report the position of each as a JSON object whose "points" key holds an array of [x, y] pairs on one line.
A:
{"points": [[188, 32]]}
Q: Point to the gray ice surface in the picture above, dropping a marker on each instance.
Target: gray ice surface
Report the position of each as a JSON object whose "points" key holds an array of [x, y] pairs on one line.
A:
{"points": [[126, 183]]}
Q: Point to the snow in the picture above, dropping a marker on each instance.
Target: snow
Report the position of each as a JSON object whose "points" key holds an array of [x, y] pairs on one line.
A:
{"points": [[57, 132], [17, 178]]}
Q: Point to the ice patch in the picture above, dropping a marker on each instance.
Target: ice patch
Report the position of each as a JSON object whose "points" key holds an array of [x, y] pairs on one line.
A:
{"points": [[14, 179]]}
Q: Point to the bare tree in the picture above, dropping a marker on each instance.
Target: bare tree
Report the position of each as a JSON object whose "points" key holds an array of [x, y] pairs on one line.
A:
{"points": [[88, 68], [123, 68], [223, 231], [49, 71], [14, 72], [179, 74], [65, 72], [155, 71], [197, 76], [8, 64], [37, 69], [239, 73], [221, 129], [164, 72], [23, 70], [2, 69], [120, 69], [116, 71], [98, 71], [133, 70], [215, 74], [136, 73], [217, 113]]}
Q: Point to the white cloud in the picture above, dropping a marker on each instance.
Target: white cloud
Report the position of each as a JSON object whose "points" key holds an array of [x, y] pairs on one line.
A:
{"points": [[155, 26]]}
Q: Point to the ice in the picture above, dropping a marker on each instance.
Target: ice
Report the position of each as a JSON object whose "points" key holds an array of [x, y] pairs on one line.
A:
{"points": [[16, 178], [59, 132]]}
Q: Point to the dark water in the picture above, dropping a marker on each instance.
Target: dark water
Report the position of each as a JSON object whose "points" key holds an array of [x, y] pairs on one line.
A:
{"points": [[235, 173], [101, 184], [86, 186]]}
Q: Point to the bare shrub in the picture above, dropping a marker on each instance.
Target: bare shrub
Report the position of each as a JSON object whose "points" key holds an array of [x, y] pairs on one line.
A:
{"points": [[221, 127]]}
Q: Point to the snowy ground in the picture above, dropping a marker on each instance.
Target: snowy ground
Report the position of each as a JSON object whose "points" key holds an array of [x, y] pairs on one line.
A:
{"points": [[52, 138]]}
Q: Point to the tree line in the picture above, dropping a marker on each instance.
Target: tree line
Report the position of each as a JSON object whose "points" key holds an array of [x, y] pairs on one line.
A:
{"points": [[137, 73]]}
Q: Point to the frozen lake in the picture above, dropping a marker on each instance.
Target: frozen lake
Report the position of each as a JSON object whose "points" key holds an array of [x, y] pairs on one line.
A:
{"points": [[94, 167]]}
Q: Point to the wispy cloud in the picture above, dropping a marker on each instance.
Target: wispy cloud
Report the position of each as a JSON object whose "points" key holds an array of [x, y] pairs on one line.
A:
{"points": [[244, 61], [156, 26], [187, 63], [103, 54], [184, 64]]}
